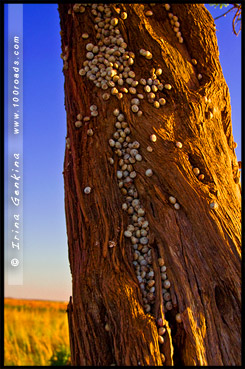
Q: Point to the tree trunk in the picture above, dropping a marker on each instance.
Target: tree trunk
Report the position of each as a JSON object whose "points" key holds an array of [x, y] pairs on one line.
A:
{"points": [[113, 318]]}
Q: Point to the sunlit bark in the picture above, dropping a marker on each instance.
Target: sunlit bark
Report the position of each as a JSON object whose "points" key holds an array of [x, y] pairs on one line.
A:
{"points": [[200, 245]]}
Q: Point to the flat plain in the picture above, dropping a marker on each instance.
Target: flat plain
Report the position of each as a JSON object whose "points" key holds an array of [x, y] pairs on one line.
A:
{"points": [[34, 331]]}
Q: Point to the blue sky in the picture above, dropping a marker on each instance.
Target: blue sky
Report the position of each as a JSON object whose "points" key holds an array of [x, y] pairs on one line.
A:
{"points": [[230, 60], [46, 269]]}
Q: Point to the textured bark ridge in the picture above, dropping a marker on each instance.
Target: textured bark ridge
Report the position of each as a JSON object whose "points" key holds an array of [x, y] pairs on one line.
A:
{"points": [[200, 245]]}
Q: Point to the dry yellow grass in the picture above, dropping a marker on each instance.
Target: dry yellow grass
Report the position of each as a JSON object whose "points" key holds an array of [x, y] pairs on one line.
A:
{"points": [[33, 331]]}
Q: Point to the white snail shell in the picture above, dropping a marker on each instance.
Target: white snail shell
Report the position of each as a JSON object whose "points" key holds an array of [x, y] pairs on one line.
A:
{"points": [[135, 108], [166, 284], [87, 190], [148, 172], [179, 145], [172, 199], [149, 149], [153, 138]]}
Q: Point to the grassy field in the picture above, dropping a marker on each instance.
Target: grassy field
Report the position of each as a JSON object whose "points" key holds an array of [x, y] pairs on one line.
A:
{"points": [[35, 331]]}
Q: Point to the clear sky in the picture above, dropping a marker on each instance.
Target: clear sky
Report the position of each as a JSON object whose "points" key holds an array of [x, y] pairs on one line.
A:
{"points": [[46, 268]]}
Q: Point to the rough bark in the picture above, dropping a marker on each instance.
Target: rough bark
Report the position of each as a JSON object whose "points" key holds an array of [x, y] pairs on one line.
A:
{"points": [[200, 246]]}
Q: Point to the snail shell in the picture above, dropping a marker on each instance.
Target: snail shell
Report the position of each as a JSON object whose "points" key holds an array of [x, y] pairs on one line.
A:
{"points": [[149, 13], [78, 123], [160, 339], [87, 190], [196, 171], [153, 138], [124, 15], [160, 322], [214, 205], [148, 172], [172, 199], [119, 174], [90, 132], [135, 108], [179, 145], [166, 284], [161, 331], [138, 157], [167, 296], [160, 262], [178, 318], [144, 240], [169, 305], [168, 86], [128, 234]]}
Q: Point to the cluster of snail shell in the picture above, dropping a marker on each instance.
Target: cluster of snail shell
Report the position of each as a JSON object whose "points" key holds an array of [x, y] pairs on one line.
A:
{"points": [[80, 119], [198, 173], [68, 143], [108, 64], [138, 230], [173, 201], [174, 23], [64, 56]]}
